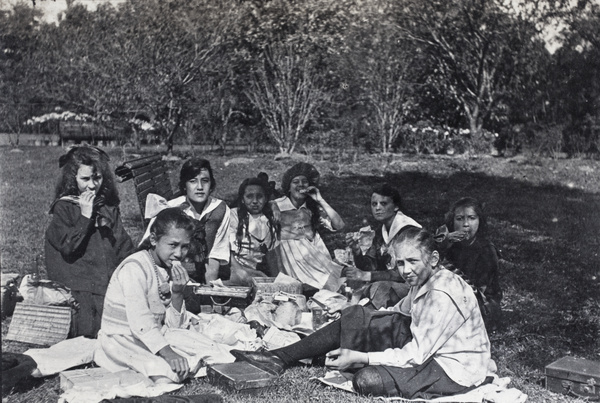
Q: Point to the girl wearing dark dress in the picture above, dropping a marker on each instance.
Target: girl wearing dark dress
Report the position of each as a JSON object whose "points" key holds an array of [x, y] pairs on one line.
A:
{"points": [[474, 256], [375, 264], [86, 239]]}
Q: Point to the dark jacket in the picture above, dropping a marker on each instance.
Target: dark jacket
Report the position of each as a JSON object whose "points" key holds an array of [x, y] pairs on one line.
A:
{"points": [[82, 254], [377, 259], [479, 263]]}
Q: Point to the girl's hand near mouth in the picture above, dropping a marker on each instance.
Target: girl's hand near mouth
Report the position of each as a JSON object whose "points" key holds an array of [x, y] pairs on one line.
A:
{"points": [[180, 277], [314, 193], [457, 236]]}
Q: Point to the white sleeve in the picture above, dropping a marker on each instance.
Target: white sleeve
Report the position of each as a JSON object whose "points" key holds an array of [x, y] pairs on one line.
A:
{"points": [[220, 249], [139, 316], [233, 224], [175, 319], [430, 330]]}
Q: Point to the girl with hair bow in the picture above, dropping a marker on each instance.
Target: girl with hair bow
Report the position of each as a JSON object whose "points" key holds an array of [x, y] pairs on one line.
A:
{"points": [[208, 256], [86, 239]]}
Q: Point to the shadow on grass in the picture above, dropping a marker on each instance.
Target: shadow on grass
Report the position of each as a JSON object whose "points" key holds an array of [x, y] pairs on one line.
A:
{"points": [[549, 237]]}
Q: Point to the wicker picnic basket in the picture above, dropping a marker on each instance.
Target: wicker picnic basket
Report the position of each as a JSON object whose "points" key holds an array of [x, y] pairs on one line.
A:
{"points": [[44, 325]]}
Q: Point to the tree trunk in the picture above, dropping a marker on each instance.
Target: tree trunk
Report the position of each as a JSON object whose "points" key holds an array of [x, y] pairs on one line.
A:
{"points": [[136, 139], [170, 143], [384, 143], [474, 126]]}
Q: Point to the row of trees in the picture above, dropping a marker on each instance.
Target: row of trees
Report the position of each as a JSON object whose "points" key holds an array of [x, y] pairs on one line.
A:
{"points": [[326, 71]]}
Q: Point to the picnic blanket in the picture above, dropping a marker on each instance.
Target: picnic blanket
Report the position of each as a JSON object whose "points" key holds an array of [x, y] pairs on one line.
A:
{"points": [[62, 356], [102, 384], [495, 392]]}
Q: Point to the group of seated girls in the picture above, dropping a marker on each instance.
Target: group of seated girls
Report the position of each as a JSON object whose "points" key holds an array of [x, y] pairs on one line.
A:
{"points": [[422, 334]]}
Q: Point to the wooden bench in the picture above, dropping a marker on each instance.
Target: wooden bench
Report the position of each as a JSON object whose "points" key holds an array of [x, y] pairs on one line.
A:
{"points": [[150, 175]]}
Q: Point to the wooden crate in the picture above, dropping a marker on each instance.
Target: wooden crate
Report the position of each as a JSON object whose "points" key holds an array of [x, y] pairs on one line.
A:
{"points": [[574, 376], [44, 325], [239, 376]]}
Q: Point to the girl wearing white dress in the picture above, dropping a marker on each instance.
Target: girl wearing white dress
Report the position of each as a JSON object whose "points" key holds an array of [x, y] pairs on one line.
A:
{"points": [[145, 326]]}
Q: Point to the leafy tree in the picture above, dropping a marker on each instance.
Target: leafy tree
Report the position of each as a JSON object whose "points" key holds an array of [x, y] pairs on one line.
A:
{"points": [[477, 49], [282, 55], [383, 65], [575, 93], [17, 72]]}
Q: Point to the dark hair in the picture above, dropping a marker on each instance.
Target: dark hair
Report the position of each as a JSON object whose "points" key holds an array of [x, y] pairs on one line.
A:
{"points": [[423, 238], [467, 202], [312, 175], [300, 169], [173, 217], [90, 156], [388, 190], [191, 168], [243, 219]]}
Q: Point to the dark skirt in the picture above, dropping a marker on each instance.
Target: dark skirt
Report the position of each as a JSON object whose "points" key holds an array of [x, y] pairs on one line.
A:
{"points": [[367, 330], [88, 317], [385, 294]]}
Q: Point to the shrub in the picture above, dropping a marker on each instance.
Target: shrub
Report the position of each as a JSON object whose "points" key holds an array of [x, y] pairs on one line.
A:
{"points": [[542, 140], [509, 140], [426, 138], [583, 137]]}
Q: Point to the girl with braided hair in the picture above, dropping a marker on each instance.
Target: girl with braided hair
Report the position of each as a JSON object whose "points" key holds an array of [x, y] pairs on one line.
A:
{"points": [[252, 232]]}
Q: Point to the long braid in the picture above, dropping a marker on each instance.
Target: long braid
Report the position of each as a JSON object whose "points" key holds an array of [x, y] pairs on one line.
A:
{"points": [[274, 228], [243, 220], [244, 216]]}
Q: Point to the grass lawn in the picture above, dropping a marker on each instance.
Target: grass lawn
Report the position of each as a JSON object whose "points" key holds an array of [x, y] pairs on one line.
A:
{"points": [[544, 216]]}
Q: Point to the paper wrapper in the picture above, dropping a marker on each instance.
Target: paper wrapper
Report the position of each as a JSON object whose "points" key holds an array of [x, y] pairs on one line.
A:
{"points": [[364, 236]]}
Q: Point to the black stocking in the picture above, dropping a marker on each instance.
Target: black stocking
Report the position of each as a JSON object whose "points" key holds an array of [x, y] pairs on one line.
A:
{"points": [[319, 343]]}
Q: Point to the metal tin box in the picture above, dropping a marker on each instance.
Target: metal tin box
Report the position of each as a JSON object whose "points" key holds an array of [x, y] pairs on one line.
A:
{"points": [[239, 376], [576, 376], [222, 299]]}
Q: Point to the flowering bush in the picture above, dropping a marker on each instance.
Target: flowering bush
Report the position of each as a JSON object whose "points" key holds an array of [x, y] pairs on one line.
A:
{"points": [[56, 116], [427, 138], [142, 124]]}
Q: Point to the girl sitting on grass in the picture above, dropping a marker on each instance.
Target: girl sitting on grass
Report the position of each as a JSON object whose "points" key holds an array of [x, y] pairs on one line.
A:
{"points": [[473, 255], [252, 232], [376, 265], [145, 319], [432, 343], [208, 256], [85, 240], [301, 253]]}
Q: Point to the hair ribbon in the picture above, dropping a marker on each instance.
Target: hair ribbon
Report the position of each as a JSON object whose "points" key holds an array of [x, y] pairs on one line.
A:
{"points": [[154, 205], [64, 159]]}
